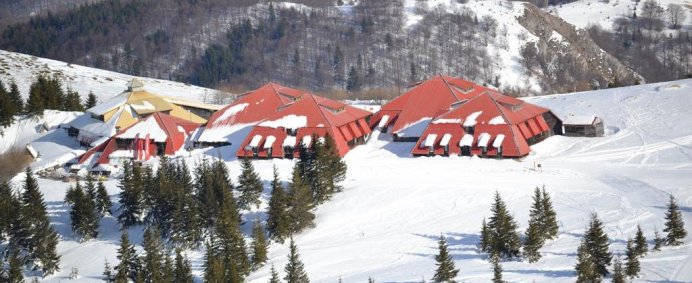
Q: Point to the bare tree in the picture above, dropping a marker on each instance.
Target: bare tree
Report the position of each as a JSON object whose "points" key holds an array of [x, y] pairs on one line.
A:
{"points": [[676, 15]]}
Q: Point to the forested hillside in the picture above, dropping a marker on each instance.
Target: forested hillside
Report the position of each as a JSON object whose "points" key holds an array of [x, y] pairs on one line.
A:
{"points": [[348, 46]]}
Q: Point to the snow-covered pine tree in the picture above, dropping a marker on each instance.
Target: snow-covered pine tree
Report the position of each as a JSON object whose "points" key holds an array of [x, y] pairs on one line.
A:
{"points": [[586, 269], [14, 266], [90, 187], [675, 227], [632, 265], [249, 185], [549, 217], [640, 244], [503, 231], [167, 270], [129, 263], [618, 272], [103, 200], [42, 240], [274, 276], [300, 203], [446, 271], [597, 245], [259, 245], [658, 241], [331, 170], [535, 233], [295, 272], [497, 269], [183, 268], [131, 195], [107, 272]]}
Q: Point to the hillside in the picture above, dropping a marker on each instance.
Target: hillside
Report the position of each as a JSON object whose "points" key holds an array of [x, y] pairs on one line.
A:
{"points": [[386, 222]]}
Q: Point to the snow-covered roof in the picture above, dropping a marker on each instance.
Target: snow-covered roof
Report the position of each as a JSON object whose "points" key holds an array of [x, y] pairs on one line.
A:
{"points": [[498, 140], [383, 121], [414, 129], [269, 142], [579, 120], [147, 127], [110, 104], [445, 139], [255, 141], [289, 141], [220, 134], [471, 119], [230, 112], [483, 139], [498, 120], [447, 121], [291, 121], [466, 140], [430, 140], [307, 140]]}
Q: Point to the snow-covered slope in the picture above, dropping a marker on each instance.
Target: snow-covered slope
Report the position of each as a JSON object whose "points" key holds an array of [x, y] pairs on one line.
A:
{"points": [[386, 222], [582, 13], [104, 84]]}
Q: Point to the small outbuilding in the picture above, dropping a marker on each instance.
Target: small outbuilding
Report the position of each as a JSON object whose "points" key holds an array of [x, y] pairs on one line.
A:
{"points": [[583, 126]]}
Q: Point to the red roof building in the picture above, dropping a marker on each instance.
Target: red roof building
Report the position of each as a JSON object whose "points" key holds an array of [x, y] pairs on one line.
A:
{"points": [[247, 110], [158, 134], [278, 135], [449, 116]]}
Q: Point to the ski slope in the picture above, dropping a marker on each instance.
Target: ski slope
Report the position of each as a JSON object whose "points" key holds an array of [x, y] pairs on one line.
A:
{"points": [[386, 222]]}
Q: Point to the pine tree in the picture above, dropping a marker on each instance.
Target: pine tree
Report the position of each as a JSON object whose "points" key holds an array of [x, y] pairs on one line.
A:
{"points": [[7, 199], [213, 268], [83, 216], [640, 244], [586, 269], [485, 239], [131, 198], [129, 264], [675, 227], [91, 100], [446, 271], [183, 269], [300, 203], [597, 245], [549, 217], [277, 216], [259, 245], [632, 264], [42, 240], [330, 170], [103, 200], [294, 269], [107, 272], [16, 97], [274, 276], [502, 231], [658, 241], [72, 101], [497, 269], [15, 266], [535, 233], [249, 185], [153, 257], [618, 272], [229, 243], [168, 270]]}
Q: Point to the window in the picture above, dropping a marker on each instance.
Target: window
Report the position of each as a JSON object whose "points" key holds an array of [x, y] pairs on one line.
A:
{"points": [[446, 149], [470, 130], [291, 132], [484, 150], [466, 150], [499, 151], [288, 152]]}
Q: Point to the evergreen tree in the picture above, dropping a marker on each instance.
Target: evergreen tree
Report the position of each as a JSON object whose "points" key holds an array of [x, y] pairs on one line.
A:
{"points": [[186, 229], [129, 264], [640, 244], [446, 271], [597, 245], [278, 221], [549, 217], [72, 101], [42, 240], [586, 269], [259, 245], [83, 216], [299, 202], [168, 270], [274, 276], [502, 231], [675, 227], [354, 81], [294, 269], [658, 241], [213, 268], [330, 170], [249, 185], [183, 269], [91, 100], [15, 266], [229, 244], [632, 264], [153, 257], [535, 232], [103, 200], [108, 272], [7, 199], [16, 98], [618, 272], [497, 269], [7, 107], [131, 198], [485, 239]]}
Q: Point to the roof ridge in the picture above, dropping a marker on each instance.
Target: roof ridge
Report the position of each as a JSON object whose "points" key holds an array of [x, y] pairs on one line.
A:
{"points": [[319, 108], [449, 87]]}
